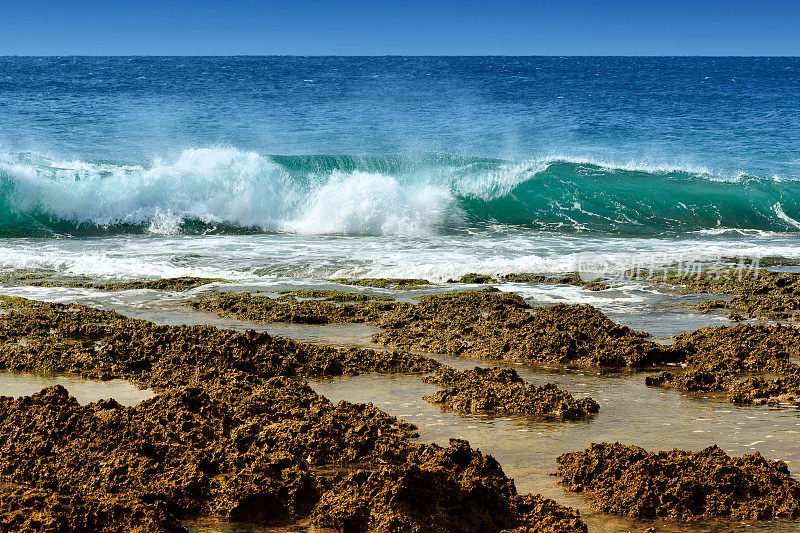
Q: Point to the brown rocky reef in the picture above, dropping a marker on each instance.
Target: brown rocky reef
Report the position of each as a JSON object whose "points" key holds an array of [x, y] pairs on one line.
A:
{"points": [[301, 307], [501, 390], [45, 337], [385, 283], [440, 492], [628, 480], [233, 433], [164, 284], [475, 323], [44, 511], [756, 293], [497, 325], [570, 278], [748, 363]]}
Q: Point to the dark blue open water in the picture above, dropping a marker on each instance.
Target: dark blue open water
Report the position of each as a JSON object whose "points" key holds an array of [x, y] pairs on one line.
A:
{"points": [[522, 161], [281, 172]]}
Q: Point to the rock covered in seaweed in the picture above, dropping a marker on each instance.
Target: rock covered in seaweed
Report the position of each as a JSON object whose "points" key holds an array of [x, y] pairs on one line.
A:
{"points": [[104, 344], [163, 284], [628, 480], [300, 307], [501, 390], [246, 450], [497, 325], [758, 293], [24, 510]]}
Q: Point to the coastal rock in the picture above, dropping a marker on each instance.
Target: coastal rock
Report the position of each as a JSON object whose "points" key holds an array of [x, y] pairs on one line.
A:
{"points": [[486, 323], [571, 278], [496, 325], [628, 480], [25, 510], [44, 337], [244, 450], [473, 278], [453, 489], [163, 284], [232, 433], [756, 293], [240, 450], [501, 390], [748, 363], [385, 283], [318, 309]]}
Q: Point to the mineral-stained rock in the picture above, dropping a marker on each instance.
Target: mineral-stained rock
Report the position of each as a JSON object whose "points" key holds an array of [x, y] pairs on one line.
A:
{"points": [[628, 480], [501, 390]]}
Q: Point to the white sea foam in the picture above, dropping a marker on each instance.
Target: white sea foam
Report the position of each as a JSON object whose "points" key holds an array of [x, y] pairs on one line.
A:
{"points": [[229, 187], [371, 204], [778, 208], [221, 186], [259, 258]]}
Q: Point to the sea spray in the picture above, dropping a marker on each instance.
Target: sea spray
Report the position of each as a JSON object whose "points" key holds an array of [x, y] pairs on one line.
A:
{"points": [[224, 190]]}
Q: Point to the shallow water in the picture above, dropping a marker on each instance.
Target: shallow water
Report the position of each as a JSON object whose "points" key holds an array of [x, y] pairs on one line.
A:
{"points": [[660, 312], [630, 412], [19, 384]]}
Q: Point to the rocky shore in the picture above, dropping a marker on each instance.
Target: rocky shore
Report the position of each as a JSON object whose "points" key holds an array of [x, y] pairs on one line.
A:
{"points": [[233, 432], [164, 284], [679, 484], [476, 323], [762, 294], [571, 278], [748, 363], [501, 390], [44, 337]]}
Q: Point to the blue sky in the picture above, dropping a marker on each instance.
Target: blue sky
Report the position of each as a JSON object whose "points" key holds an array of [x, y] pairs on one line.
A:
{"points": [[322, 27]]}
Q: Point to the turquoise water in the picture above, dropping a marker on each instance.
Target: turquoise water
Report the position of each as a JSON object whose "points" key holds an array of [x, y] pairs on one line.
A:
{"points": [[279, 173], [311, 167]]}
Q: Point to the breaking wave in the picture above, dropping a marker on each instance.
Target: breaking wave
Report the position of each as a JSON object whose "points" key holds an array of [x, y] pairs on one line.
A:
{"points": [[224, 190]]}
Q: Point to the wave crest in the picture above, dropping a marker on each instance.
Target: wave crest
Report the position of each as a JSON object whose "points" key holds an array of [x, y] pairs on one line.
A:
{"points": [[228, 190]]}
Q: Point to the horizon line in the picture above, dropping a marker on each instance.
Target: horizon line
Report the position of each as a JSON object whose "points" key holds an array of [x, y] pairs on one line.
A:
{"points": [[787, 56]]}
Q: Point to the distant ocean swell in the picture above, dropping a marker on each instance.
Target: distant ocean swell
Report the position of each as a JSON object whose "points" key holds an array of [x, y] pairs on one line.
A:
{"points": [[219, 190]]}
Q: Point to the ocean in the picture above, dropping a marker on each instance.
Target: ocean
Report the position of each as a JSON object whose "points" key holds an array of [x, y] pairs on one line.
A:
{"points": [[281, 173], [257, 168]]}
